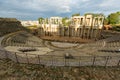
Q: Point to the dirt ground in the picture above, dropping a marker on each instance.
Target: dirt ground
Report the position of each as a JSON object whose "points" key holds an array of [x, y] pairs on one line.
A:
{"points": [[13, 71]]}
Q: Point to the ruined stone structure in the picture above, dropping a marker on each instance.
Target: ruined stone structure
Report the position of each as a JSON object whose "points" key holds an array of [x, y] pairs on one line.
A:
{"points": [[49, 26], [55, 20], [86, 27]]}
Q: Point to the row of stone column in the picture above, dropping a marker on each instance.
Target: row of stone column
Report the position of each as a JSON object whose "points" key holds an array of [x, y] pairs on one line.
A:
{"points": [[80, 32], [87, 33]]}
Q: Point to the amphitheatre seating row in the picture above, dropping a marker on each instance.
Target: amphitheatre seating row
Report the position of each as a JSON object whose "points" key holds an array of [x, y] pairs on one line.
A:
{"points": [[109, 42], [22, 39], [27, 49], [9, 29], [106, 46]]}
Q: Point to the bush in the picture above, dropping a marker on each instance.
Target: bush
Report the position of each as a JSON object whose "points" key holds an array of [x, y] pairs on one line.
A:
{"points": [[116, 28]]}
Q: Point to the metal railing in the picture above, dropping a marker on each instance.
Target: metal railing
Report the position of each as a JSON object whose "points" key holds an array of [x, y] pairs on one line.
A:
{"points": [[52, 60]]}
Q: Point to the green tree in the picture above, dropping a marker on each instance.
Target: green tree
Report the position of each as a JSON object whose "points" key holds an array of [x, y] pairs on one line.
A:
{"points": [[106, 21], [114, 18], [88, 14], [76, 14], [65, 21], [47, 21], [94, 14], [40, 20]]}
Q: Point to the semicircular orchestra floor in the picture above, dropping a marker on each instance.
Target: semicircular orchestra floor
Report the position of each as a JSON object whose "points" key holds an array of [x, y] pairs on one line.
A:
{"points": [[64, 44]]}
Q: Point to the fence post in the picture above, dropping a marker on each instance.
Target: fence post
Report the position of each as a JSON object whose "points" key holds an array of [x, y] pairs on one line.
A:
{"points": [[118, 63], [79, 61], [94, 59], [68, 62], [6, 54], [65, 61], [16, 57], [39, 59], [106, 61], [27, 58], [52, 60]]}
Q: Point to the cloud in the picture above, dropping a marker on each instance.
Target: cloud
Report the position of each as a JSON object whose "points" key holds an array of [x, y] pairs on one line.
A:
{"points": [[85, 0], [32, 9]]}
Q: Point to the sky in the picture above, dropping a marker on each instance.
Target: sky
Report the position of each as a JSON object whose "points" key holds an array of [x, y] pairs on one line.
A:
{"points": [[33, 9]]}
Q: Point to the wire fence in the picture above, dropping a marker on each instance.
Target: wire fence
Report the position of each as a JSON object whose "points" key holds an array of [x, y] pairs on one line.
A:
{"points": [[52, 60]]}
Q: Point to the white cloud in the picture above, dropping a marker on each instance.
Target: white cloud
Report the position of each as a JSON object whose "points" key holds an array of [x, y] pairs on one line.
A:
{"points": [[85, 0], [37, 8], [44, 5], [110, 3]]}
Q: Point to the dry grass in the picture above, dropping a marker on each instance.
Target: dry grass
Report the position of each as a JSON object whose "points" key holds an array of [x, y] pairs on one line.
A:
{"points": [[12, 71]]}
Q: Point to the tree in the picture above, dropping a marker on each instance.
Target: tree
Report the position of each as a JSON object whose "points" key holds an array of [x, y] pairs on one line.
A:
{"points": [[65, 21], [106, 21], [40, 20], [76, 14], [114, 18], [94, 14], [47, 21], [88, 14]]}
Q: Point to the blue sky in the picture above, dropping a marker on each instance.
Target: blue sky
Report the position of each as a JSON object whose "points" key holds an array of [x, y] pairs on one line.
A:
{"points": [[32, 9]]}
